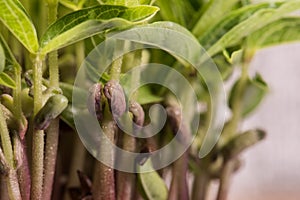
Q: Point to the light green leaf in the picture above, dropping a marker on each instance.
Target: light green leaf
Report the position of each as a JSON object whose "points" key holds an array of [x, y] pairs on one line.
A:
{"points": [[9, 57], [241, 23], [14, 16], [282, 31], [2, 59], [145, 96], [121, 2], [212, 14], [7, 81], [84, 23], [254, 92], [152, 184]]}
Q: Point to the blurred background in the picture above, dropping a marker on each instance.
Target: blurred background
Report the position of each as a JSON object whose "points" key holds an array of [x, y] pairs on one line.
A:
{"points": [[272, 168]]}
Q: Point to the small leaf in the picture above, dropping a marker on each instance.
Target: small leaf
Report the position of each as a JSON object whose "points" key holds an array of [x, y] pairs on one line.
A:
{"points": [[253, 94], [7, 81], [241, 142], [152, 184], [85, 23], [279, 32], [2, 59], [14, 16]]}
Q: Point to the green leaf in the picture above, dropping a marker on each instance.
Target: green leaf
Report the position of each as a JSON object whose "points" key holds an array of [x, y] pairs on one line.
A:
{"points": [[152, 184], [145, 96], [73, 5], [2, 59], [14, 16], [213, 13], [255, 90], [9, 57], [241, 142], [7, 81], [85, 23], [279, 32], [241, 23], [121, 2], [67, 117]]}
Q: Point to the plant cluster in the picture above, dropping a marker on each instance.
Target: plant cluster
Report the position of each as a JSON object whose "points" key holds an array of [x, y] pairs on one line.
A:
{"points": [[42, 45]]}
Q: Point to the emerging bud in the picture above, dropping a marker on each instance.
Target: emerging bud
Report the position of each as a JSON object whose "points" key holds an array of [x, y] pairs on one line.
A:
{"points": [[113, 91], [138, 113], [55, 105], [94, 101]]}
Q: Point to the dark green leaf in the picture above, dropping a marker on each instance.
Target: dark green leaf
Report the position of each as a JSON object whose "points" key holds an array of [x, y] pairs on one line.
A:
{"points": [[7, 81], [14, 17], [84, 23], [145, 96]]}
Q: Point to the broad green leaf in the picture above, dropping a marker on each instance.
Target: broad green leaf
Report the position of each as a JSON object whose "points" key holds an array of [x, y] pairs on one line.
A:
{"points": [[14, 16], [2, 59], [213, 13], [152, 184], [84, 23], [73, 5], [281, 31], [231, 31], [254, 92], [7, 81]]}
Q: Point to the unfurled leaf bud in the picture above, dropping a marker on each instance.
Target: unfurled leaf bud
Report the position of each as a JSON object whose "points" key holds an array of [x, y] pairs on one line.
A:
{"points": [[52, 109], [177, 124], [138, 113], [113, 91], [94, 103]]}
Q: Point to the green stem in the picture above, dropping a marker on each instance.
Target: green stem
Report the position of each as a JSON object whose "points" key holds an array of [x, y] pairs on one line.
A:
{"points": [[52, 133], [12, 181], [115, 69], [17, 93], [231, 130], [38, 135]]}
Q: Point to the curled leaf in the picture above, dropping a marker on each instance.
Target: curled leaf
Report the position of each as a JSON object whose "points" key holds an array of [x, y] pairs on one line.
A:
{"points": [[113, 91], [94, 101], [55, 105]]}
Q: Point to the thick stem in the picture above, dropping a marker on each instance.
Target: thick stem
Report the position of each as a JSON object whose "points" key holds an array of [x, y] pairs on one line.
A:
{"points": [[115, 69], [104, 180], [52, 135], [179, 187], [38, 135], [225, 180], [200, 186]]}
